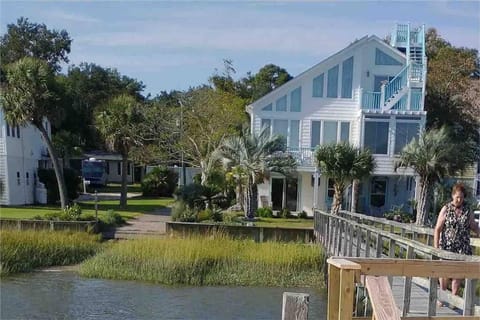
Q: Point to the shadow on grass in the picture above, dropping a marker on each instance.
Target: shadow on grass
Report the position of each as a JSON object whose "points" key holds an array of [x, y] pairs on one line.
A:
{"points": [[136, 204]]}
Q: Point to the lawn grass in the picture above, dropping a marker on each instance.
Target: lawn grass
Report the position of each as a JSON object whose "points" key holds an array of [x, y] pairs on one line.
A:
{"points": [[114, 188], [283, 222], [135, 206]]}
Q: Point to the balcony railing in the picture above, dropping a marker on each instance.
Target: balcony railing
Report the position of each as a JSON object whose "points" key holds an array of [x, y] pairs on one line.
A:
{"points": [[305, 157], [371, 100], [416, 101], [396, 84]]}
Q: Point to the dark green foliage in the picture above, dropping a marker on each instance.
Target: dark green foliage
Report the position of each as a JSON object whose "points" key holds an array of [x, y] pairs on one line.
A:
{"points": [[190, 194], [286, 214], [399, 214], [302, 215], [181, 212], [265, 212], [72, 182], [113, 218], [161, 181]]}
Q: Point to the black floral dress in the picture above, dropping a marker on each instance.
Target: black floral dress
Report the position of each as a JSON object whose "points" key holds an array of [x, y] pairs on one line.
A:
{"points": [[455, 236]]}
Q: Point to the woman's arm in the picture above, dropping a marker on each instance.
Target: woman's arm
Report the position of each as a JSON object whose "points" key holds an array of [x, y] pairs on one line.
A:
{"points": [[473, 224], [439, 226]]}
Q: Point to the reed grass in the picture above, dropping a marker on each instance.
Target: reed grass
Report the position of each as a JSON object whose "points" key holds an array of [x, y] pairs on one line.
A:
{"points": [[215, 260], [23, 251]]}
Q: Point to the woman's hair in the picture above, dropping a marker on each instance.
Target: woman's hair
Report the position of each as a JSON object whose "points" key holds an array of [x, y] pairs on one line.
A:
{"points": [[459, 187]]}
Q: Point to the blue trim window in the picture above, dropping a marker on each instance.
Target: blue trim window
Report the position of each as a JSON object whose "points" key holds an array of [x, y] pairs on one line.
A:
{"points": [[332, 82], [344, 131], [280, 127], [266, 123], [8, 130], [281, 104], [329, 132], [268, 107], [315, 134], [317, 90], [18, 131], [376, 137], [383, 59], [296, 100], [347, 78]]}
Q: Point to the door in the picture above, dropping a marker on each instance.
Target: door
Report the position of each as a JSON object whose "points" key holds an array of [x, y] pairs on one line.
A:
{"points": [[277, 193], [284, 194]]}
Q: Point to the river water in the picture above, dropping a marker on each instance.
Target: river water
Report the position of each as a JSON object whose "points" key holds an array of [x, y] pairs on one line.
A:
{"points": [[66, 295]]}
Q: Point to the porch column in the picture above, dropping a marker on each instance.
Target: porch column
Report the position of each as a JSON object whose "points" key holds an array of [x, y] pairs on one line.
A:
{"points": [[316, 176]]}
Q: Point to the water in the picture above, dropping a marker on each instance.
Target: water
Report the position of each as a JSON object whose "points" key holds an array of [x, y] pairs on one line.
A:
{"points": [[65, 295]]}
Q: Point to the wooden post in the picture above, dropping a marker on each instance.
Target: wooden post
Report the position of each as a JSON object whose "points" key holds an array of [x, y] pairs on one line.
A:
{"points": [[295, 306], [432, 297], [407, 289], [379, 246], [341, 288], [469, 297], [367, 244], [350, 241]]}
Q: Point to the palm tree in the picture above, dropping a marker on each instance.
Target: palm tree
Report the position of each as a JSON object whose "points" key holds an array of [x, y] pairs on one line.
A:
{"points": [[118, 122], [254, 155], [343, 163], [431, 157], [28, 98]]}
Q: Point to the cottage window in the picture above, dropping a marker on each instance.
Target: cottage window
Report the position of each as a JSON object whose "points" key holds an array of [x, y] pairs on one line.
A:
{"points": [[376, 137], [8, 130], [332, 82], [329, 132], [317, 90], [378, 192], [381, 58], [18, 178], [296, 100], [281, 104], [405, 133], [119, 168], [268, 107], [347, 78], [18, 131], [27, 178], [315, 134]]}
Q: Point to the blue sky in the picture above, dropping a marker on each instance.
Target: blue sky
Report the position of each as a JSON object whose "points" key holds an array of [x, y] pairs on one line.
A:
{"points": [[174, 45]]}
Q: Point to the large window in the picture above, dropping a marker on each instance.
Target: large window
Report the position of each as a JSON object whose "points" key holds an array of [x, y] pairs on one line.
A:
{"points": [[268, 107], [376, 137], [405, 133], [347, 78], [296, 100], [332, 82], [317, 90], [294, 134], [290, 130], [266, 123], [381, 58], [281, 104], [323, 132]]}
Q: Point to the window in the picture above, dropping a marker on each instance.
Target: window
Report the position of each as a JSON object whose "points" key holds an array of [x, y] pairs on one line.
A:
{"points": [[347, 78], [345, 131], [329, 132], [18, 178], [107, 167], [330, 190], [376, 137], [405, 133], [317, 90], [280, 127], [332, 82], [381, 58], [296, 100], [119, 168], [18, 131], [377, 195], [315, 134], [128, 169], [8, 130], [266, 123], [268, 107], [281, 104], [13, 131], [27, 178], [478, 189], [294, 134]]}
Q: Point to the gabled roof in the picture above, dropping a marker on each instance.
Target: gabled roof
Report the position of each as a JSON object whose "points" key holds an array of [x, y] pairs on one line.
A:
{"points": [[351, 46]]}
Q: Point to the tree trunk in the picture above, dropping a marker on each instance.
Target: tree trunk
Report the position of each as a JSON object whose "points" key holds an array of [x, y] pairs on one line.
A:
{"points": [[337, 198], [240, 196], [251, 204], [423, 202], [355, 193], [123, 192], [62, 189]]}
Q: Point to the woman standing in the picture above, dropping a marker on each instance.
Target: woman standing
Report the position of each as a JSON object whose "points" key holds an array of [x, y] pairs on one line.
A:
{"points": [[452, 231]]}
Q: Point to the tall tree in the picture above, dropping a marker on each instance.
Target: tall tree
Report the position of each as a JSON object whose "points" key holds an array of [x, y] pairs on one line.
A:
{"points": [[28, 97], [343, 163], [268, 78], [430, 156], [254, 156], [28, 39], [117, 121], [207, 117]]}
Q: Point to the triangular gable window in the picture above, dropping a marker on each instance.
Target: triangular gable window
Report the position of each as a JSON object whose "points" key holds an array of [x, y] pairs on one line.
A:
{"points": [[381, 58], [268, 107]]}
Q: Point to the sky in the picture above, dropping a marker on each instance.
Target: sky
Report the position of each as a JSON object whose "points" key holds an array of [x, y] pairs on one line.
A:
{"points": [[174, 45]]}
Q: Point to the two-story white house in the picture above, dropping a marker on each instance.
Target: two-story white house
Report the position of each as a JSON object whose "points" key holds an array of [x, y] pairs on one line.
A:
{"points": [[370, 94], [22, 151]]}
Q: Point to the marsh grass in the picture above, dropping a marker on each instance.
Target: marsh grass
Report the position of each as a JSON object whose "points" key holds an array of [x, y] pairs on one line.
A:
{"points": [[214, 260], [23, 251]]}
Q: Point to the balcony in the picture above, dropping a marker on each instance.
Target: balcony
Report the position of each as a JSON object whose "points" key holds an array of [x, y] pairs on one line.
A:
{"points": [[305, 157]]}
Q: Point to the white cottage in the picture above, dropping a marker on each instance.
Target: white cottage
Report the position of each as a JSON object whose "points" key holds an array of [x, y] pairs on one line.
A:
{"points": [[22, 151], [370, 94]]}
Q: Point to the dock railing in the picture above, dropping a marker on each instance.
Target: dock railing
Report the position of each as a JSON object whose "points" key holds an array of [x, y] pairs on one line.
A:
{"points": [[342, 236], [344, 273]]}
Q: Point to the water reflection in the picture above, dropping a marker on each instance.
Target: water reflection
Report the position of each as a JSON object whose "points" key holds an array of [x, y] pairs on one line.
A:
{"points": [[65, 295]]}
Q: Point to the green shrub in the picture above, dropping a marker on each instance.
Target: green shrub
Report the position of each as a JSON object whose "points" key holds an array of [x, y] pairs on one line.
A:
{"points": [[161, 181], [231, 218], [303, 214], [113, 218], [286, 214], [72, 183], [73, 212], [191, 195], [204, 215], [265, 212], [181, 212]]}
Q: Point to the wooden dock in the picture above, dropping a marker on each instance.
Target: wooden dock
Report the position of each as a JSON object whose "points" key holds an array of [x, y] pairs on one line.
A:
{"points": [[391, 244]]}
